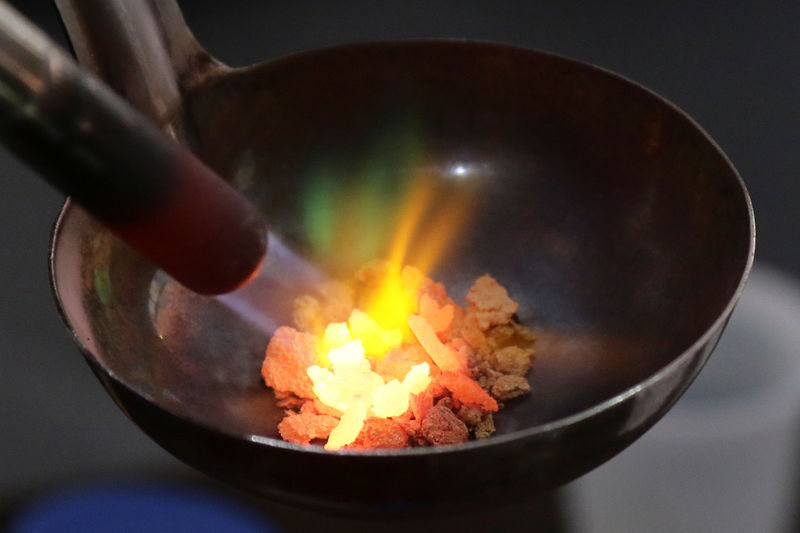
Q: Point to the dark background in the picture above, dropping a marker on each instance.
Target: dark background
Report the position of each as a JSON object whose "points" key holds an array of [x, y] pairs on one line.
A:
{"points": [[733, 66]]}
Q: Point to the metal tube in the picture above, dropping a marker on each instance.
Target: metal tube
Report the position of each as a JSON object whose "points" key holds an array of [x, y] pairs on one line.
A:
{"points": [[149, 190], [142, 49]]}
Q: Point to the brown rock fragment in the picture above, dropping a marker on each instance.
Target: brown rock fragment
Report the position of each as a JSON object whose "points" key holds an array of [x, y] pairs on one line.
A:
{"points": [[470, 415], [508, 387], [486, 375], [441, 426], [500, 336], [485, 428], [512, 333], [491, 303], [512, 360], [523, 334]]}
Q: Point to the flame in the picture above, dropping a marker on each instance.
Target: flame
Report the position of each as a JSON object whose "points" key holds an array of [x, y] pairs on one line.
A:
{"points": [[393, 192], [344, 379], [430, 223], [451, 217], [376, 339], [349, 216], [391, 303]]}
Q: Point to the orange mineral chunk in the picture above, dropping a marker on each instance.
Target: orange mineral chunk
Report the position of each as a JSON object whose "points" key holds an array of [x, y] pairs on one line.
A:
{"points": [[381, 433], [467, 391], [462, 348], [302, 428], [421, 403], [465, 325], [437, 291], [397, 363], [439, 317], [287, 400], [389, 360], [289, 354], [490, 302], [446, 358]]}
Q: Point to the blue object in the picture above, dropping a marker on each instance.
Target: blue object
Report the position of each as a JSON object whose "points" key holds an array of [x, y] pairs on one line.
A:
{"points": [[137, 509]]}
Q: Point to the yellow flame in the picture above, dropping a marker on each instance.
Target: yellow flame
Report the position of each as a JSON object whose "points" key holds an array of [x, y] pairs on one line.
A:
{"points": [[429, 219], [450, 219], [419, 197], [377, 340], [393, 301], [427, 224]]}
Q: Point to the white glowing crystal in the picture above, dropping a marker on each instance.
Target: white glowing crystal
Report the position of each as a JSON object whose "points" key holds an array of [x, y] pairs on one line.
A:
{"points": [[336, 335], [348, 428], [417, 379], [390, 400], [352, 387], [351, 354]]}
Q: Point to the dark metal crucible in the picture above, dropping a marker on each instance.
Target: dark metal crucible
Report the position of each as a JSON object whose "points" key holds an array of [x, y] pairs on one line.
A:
{"points": [[617, 223]]}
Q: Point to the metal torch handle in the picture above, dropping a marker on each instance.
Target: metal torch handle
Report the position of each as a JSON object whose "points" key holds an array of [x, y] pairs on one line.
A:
{"points": [[112, 160], [143, 50]]}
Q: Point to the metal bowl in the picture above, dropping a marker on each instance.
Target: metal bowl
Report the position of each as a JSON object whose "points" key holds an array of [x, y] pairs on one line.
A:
{"points": [[617, 223]]}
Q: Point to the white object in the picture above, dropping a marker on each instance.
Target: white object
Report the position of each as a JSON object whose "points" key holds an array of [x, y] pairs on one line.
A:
{"points": [[725, 458]]}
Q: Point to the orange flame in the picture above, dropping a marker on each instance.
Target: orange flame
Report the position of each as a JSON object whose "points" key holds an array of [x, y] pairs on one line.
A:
{"points": [[427, 224]]}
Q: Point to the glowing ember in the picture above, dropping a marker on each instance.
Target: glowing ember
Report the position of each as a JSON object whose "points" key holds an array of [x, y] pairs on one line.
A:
{"points": [[445, 357], [430, 370], [388, 359]]}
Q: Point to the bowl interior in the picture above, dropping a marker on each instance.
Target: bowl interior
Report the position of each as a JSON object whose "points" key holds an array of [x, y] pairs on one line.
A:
{"points": [[616, 223]]}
